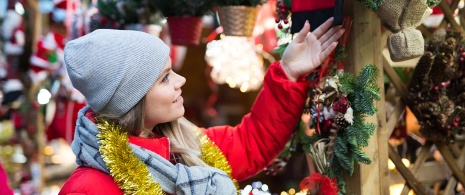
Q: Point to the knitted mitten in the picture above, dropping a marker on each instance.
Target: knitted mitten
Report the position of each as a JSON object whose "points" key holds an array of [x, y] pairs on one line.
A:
{"points": [[401, 17]]}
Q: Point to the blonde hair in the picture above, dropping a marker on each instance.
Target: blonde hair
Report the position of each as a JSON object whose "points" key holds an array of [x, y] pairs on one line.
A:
{"points": [[183, 139]]}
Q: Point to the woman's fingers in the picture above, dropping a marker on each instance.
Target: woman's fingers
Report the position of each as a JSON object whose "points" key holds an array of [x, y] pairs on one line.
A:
{"points": [[332, 38], [328, 50], [321, 30], [300, 37], [331, 32]]}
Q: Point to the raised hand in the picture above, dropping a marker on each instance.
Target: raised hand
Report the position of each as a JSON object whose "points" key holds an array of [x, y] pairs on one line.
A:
{"points": [[308, 49]]}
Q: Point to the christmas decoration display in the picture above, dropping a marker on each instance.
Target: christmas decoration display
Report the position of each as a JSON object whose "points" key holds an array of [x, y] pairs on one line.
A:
{"points": [[339, 105], [401, 17], [49, 76], [130, 11], [185, 19], [436, 90], [238, 17]]}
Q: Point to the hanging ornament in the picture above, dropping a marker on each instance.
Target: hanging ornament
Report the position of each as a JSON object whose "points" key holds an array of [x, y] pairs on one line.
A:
{"points": [[235, 62]]}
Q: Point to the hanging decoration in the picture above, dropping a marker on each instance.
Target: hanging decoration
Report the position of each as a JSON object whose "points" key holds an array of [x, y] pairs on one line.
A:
{"points": [[130, 11], [235, 61], [238, 18], [437, 87], [401, 17], [185, 19]]}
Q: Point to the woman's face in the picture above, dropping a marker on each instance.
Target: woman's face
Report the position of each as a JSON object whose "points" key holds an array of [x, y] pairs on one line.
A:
{"points": [[164, 102]]}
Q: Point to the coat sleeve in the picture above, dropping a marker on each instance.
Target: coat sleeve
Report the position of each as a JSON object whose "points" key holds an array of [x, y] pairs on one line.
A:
{"points": [[262, 134]]}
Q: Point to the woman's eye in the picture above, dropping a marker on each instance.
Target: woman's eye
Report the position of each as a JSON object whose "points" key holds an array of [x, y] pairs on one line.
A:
{"points": [[165, 78]]}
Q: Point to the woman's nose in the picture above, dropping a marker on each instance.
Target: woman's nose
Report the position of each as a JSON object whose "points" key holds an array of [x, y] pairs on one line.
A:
{"points": [[180, 81]]}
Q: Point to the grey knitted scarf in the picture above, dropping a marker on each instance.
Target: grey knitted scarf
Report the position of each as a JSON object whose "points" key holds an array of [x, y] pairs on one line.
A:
{"points": [[174, 179]]}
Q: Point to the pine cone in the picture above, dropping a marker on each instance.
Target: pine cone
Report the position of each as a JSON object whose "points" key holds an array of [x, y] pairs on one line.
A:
{"points": [[447, 105], [340, 122], [437, 70], [428, 109], [421, 70], [455, 34]]}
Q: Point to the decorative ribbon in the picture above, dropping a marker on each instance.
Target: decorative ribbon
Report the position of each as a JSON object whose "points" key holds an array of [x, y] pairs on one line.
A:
{"points": [[324, 185]]}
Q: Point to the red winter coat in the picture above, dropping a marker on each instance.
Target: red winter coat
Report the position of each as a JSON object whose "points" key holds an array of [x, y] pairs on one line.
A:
{"points": [[249, 147]]}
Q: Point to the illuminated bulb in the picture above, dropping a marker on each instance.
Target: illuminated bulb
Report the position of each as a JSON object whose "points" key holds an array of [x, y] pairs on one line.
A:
{"points": [[48, 150], [56, 159], [247, 190], [292, 191], [406, 162], [391, 165], [265, 187], [44, 96], [235, 62], [19, 8]]}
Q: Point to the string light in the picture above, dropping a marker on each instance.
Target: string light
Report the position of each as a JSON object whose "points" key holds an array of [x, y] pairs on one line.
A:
{"points": [[235, 62]]}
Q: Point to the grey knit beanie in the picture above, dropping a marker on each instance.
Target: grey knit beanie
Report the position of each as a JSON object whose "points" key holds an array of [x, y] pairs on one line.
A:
{"points": [[114, 69]]}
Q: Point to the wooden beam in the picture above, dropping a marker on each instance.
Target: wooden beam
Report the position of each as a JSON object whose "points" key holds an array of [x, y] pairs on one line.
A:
{"points": [[395, 80], [394, 118], [450, 188], [364, 48], [453, 6], [447, 156], [409, 178], [449, 16], [424, 153]]}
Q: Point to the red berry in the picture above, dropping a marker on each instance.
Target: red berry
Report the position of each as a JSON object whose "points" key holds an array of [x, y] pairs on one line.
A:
{"points": [[280, 26], [283, 10], [457, 119], [455, 124], [285, 21], [436, 88], [463, 54], [277, 20]]}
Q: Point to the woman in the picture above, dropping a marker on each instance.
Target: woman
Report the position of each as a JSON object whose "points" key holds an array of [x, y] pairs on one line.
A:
{"points": [[133, 139]]}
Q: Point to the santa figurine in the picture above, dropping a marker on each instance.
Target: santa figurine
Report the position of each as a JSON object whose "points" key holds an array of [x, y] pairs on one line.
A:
{"points": [[49, 58], [14, 40], [47, 62]]}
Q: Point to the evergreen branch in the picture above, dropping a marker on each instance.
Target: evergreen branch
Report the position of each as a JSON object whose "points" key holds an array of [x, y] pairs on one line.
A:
{"points": [[360, 156], [368, 74], [372, 4]]}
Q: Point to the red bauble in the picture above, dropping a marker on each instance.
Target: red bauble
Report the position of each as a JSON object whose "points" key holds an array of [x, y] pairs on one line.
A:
{"points": [[341, 105], [327, 125]]}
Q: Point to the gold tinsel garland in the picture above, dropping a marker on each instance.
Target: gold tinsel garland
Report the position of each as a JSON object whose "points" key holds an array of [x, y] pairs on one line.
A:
{"points": [[128, 171], [125, 166], [213, 156]]}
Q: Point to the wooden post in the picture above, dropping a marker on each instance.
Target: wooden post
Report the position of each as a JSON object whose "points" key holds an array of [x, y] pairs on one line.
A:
{"points": [[364, 48]]}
